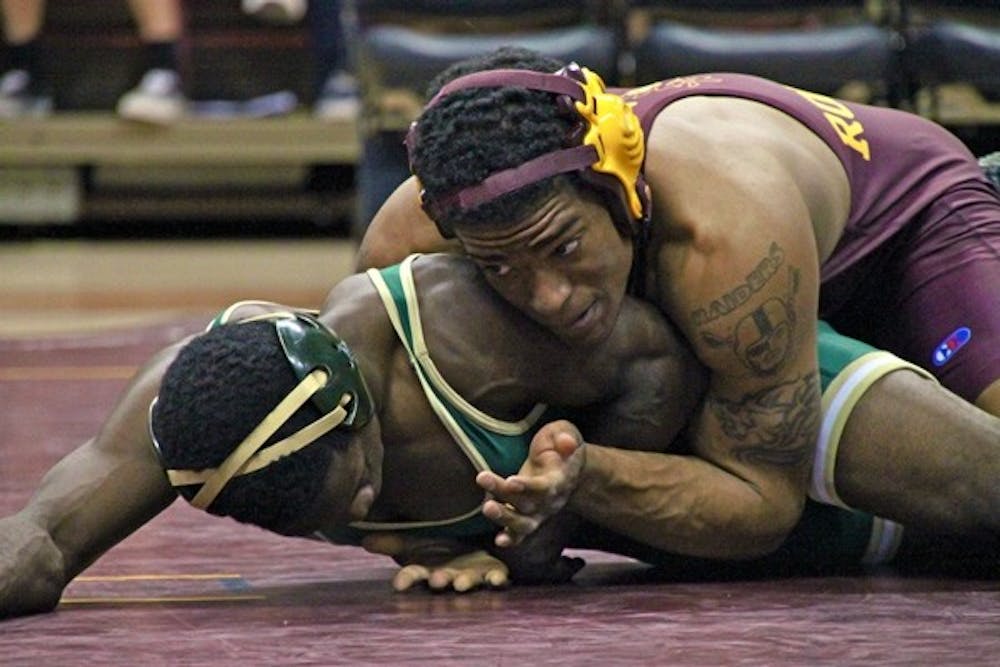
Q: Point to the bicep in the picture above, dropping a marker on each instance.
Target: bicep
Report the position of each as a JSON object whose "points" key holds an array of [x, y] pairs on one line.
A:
{"points": [[658, 383], [751, 318]]}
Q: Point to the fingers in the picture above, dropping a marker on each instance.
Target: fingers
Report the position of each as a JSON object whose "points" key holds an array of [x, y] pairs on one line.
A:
{"points": [[566, 443], [493, 483], [560, 436], [516, 526], [408, 576], [528, 494], [442, 579], [462, 581]]}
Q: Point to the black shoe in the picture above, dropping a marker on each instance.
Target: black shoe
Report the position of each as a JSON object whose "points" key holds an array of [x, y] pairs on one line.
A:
{"points": [[20, 98]]}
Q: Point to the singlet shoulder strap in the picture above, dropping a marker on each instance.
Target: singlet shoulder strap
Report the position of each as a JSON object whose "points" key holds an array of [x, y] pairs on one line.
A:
{"points": [[397, 289]]}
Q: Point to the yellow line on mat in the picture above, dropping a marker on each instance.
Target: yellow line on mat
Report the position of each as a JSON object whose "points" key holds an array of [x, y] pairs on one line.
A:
{"points": [[67, 373]]}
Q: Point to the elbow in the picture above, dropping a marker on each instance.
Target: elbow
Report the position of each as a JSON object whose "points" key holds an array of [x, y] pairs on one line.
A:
{"points": [[766, 533], [373, 255], [34, 583], [38, 597], [776, 527]]}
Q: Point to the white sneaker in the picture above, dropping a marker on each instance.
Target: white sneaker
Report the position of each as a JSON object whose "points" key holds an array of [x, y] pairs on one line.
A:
{"points": [[280, 12], [157, 99], [18, 97], [339, 99]]}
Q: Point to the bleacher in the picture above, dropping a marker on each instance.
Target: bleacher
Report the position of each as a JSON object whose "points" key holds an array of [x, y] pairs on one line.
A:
{"points": [[84, 164], [937, 57]]}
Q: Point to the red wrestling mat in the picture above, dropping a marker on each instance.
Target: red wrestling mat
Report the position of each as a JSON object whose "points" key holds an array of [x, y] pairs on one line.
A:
{"points": [[194, 590]]}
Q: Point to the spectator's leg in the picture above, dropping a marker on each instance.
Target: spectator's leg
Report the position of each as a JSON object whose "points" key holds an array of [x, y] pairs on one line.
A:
{"points": [[23, 89], [336, 87], [159, 96], [382, 168]]}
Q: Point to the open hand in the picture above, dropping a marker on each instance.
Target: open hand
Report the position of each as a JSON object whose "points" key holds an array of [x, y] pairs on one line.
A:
{"points": [[441, 564], [543, 486]]}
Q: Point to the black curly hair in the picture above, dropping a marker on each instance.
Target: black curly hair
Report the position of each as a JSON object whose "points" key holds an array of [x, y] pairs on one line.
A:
{"points": [[473, 133], [217, 390]]}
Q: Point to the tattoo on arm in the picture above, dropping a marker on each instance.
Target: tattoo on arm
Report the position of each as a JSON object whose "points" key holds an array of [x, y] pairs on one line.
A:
{"points": [[763, 339], [773, 426], [736, 297]]}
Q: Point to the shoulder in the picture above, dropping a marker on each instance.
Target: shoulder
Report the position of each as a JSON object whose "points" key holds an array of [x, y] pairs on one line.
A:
{"points": [[399, 228], [646, 341], [641, 329], [125, 432]]}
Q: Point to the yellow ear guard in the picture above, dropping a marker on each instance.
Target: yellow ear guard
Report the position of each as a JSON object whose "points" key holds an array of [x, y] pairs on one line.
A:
{"points": [[609, 153], [614, 131], [328, 375]]}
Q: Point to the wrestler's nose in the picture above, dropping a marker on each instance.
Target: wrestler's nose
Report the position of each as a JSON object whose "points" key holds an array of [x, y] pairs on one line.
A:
{"points": [[549, 291]]}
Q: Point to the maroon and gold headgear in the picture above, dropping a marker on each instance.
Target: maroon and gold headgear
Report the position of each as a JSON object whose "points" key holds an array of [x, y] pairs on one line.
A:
{"points": [[609, 151]]}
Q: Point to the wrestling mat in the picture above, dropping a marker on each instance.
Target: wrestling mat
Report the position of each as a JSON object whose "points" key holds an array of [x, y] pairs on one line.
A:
{"points": [[195, 590]]}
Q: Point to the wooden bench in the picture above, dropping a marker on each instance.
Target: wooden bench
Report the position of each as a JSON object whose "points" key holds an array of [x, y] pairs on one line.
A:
{"points": [[92, 166]]}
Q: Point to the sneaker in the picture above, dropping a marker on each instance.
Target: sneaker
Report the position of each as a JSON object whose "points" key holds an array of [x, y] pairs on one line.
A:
{"points": [[157, 99], [19, 98], [991, 167], [278, 12], [339, 99]]}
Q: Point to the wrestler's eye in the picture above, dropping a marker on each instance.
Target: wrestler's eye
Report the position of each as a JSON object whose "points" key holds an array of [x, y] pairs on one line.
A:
{"points": [[498, 270], [567, 248]]}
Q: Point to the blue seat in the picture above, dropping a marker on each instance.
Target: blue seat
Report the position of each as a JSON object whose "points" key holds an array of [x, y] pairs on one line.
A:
{"points": [[954, 68], [833, 48]]}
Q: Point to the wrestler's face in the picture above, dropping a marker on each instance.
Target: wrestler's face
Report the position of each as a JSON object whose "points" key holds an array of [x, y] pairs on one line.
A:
{"points": [[353, 481], [566, 265]]}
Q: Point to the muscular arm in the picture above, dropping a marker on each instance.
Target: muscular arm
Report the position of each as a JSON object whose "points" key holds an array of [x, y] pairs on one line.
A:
{"points": [[88, 502], [734, 496], [400, 228], [740, 279], [735, 269]]}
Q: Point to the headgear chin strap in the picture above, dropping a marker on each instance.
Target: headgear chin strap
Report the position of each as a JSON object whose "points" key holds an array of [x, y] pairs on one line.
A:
{"points": [[610, 153], [328, 374]]}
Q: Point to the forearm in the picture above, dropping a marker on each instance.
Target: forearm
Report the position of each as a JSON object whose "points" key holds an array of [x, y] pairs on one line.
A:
{"points": [[32, 575], [679, 504]]}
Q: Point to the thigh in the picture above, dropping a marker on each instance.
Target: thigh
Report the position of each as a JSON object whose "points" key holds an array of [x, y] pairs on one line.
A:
{"points": [[947, 312], [916, 453]]}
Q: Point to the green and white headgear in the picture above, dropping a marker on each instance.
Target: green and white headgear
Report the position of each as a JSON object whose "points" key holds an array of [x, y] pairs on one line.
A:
{"points": [[328, 374]]}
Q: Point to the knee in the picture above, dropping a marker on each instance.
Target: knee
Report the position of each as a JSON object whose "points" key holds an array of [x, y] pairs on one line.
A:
{"points": [[989, 399]]}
